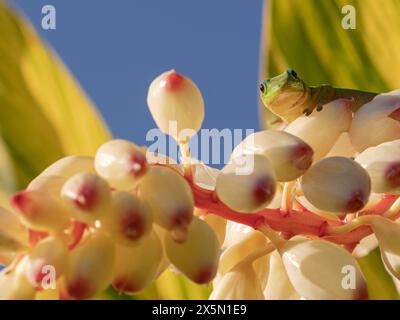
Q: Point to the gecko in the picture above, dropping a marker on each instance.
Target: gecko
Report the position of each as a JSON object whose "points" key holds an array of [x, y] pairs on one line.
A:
{"points": [[289, 97]]}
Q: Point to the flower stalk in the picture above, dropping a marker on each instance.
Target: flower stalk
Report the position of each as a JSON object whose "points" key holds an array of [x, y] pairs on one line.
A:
{"points": [[299, 222]]}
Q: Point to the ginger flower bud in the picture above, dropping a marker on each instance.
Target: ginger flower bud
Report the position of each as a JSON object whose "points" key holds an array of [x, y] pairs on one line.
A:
{"points": [[200, 266], [49, 255], [37, 210], [376, 121], [137, 266], [317, 270], [128, 219], [247, 184], [321, 129], [170, 198], [87, 196], [176, 103], [336, 184], [290, 156], [90, 266], [121, 163], [383, 166]]}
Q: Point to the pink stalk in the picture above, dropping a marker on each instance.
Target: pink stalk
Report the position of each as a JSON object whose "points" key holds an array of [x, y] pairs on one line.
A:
{"points": [[295, 222]]}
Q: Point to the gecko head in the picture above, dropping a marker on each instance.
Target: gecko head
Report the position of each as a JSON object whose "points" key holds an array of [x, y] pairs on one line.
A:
{"points": [[284, 95]]}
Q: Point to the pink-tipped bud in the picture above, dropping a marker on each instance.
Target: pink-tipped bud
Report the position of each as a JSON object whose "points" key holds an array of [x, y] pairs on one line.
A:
{"points": [[39, 211], [87, 196], [289, 156], [337, 184], [47, 262], [121, 163], [376, 122], [128, 218], [253, 180], [169, 196], [383, 165], [197, 257], [90, 266], [174, 98], [322, 270], [137, 266], [321, 129]]}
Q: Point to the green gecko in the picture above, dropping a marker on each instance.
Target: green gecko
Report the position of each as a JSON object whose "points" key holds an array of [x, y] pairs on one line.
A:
{"points": [[287, 96]]}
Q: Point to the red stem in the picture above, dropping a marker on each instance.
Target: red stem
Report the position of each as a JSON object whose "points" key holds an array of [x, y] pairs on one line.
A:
{"points": [[296, 222]]}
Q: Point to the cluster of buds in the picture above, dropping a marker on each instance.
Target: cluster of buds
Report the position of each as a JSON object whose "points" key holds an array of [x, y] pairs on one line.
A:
{"points": [[286, 218]]}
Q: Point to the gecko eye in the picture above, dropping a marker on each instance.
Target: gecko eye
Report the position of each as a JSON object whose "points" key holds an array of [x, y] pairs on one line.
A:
{"points": [[262, 86], [292, 73]]}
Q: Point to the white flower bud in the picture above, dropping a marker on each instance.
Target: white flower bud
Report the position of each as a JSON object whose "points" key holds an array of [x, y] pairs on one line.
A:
{"points": [[336, 184], [321, 129], [247, 184], [90, 266], [383, 166], [51, 251], [175, 98], [37, 210], [376, 122], [121, 163], [169, 196], [128, 219], [322, 270], [87, 196], [290, 156], [197, 257], [137, 266]]}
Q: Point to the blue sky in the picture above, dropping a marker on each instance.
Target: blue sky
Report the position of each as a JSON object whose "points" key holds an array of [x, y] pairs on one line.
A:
{"points": [[115, 49]]}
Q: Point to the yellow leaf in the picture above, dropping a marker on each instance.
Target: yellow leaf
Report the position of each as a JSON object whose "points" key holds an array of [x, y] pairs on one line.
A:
{"points": [[44, 114]]}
